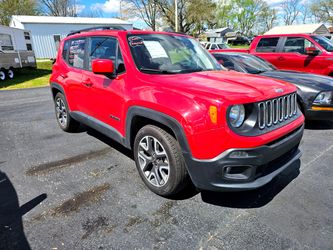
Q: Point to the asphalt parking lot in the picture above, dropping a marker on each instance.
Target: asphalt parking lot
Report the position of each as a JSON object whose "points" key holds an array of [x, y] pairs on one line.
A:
{"points": [[82, 191]]}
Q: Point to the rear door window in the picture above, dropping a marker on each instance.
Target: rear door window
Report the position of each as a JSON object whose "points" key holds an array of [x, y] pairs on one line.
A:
{"points": [[297, 45], [267, 44], [77, 53]]}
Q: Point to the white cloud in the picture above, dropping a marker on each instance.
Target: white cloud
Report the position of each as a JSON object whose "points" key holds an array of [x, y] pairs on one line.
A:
{"points": [[80, 8], [109, 6]]}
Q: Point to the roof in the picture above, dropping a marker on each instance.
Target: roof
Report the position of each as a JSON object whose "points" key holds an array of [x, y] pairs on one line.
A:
{"points": [[67, 20], [318, 28]]}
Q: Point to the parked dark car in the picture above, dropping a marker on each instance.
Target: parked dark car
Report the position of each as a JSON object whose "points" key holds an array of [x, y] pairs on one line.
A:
{"points": [[315, 92]]}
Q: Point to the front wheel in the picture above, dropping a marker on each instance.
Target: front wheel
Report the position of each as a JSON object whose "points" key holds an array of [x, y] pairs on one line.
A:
{"points": [[160, 162]]}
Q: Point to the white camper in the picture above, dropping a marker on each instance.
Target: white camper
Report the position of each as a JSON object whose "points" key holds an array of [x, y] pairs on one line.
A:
{"points": [[15, 51]]}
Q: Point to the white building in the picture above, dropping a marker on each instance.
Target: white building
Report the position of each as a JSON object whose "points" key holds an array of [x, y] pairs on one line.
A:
{"points": [[317, 28], [47, 31]]}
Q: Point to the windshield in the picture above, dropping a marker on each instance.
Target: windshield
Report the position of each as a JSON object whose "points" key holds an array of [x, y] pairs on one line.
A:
{"points": [[170, 54], [324, 42], [253, 64]]}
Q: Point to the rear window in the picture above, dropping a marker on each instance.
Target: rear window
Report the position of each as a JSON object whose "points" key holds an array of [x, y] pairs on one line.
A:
{"points": [[267, 44]]}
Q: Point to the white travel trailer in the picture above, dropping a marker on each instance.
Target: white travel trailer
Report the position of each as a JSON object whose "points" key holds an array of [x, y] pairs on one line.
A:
{"points": [[15, 51]]}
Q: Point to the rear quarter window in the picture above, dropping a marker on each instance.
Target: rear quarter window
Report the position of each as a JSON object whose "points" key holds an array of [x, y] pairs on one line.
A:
{"points": [[267, 44], [76, 53], [65, 50]]}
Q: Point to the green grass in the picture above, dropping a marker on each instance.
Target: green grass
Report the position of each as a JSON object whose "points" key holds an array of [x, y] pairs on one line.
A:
{"points": [[239, 46], [29, 78]]}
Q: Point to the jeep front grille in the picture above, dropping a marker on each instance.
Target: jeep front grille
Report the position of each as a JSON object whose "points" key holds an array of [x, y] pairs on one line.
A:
{"points": [[276, 110]]}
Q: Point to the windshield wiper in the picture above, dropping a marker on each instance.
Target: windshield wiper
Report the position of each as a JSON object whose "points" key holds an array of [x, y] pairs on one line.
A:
{"points": [[260, 71], [195, 70], [158, 71]]}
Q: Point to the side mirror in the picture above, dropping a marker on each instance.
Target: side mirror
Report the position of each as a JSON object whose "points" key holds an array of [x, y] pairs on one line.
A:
{"points": [[103, 67], [311, 51]]}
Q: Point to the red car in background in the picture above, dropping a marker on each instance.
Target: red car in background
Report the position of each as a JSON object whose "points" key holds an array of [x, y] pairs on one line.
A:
{"points": [[299, 52]]}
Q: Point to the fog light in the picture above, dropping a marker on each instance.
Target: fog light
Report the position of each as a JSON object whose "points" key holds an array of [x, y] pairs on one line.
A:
{"points": [[239, 154]]}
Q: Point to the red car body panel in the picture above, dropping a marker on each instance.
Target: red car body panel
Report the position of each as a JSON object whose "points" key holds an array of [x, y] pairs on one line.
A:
{"points": [[319, 64], [184, 97]]}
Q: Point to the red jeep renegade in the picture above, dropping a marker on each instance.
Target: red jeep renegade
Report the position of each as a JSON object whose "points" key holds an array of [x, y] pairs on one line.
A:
{"points": [[185, 118]]}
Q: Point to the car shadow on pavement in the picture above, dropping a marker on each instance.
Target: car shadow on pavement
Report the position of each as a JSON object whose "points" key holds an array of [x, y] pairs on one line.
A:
{"points": [[11, 227], [318, 125], [256, 198], [112, 143]]}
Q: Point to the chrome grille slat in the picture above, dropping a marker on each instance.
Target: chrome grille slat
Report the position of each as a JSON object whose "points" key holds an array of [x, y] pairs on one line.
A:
{"points": [[275, 111], [278, 110]]}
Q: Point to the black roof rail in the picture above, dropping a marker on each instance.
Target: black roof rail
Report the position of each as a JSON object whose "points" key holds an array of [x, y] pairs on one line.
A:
{"points": [[97, 28]]}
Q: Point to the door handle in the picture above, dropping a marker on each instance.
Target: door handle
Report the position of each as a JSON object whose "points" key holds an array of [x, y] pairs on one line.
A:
{"points": [[87, 83], [280, 58]]}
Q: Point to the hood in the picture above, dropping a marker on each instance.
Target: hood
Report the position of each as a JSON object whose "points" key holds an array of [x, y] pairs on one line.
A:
{"points": [[303, 80], [228, 85]]}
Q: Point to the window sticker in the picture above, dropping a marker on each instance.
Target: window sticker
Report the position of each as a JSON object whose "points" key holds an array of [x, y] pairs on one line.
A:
{"points": [[135, 41], [155, 49]]}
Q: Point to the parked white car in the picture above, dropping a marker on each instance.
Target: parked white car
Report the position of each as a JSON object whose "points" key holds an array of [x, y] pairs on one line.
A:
{"points": [[214, 46]]}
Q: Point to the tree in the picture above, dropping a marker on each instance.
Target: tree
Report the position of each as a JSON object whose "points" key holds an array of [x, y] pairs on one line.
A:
{"points": [[305, 13], [16, 7], [223, 11], [59, 7], [192, 15], [245, 14], [267, 18], [147, 10], [323, 10], [291, 10]]}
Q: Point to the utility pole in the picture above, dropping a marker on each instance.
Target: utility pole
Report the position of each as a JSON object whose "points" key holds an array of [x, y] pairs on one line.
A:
{"points": [[176, 15], [120, 10]]}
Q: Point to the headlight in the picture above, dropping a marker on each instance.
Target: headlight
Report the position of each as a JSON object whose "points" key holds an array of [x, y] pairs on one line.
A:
{"points": [[324, 98], [237, 115]]}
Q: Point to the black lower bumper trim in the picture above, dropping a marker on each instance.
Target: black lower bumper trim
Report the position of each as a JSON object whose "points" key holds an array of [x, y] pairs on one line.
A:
{"points": [[260, 165], [321, 115]]}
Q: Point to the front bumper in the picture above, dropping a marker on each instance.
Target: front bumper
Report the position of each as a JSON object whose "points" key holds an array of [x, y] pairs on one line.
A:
{"points": [[250, 169], [322, 115]]}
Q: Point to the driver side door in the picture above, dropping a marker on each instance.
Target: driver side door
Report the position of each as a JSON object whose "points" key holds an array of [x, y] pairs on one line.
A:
{"points": [[106, 99]]}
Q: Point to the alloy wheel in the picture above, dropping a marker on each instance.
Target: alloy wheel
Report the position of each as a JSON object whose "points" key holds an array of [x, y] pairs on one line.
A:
{"points": [[153, 161], [61, 112]]}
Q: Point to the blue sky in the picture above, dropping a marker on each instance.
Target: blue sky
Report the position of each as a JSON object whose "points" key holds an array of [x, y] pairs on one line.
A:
{"points": [[110, 8]]}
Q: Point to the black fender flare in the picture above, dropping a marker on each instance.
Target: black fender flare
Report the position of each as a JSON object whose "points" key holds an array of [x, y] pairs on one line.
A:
{"points": [[159, 117], [57, 86]]}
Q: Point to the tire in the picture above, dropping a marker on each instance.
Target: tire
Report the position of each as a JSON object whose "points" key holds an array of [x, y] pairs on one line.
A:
{"points": [[10, 74], [165, 173], [65, 121], [2, 75]]}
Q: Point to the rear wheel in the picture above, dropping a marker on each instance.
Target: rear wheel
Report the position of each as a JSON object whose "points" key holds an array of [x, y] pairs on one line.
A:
{"points": [[160, 162], [2, 75], [64, 119], [10, 73]]}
